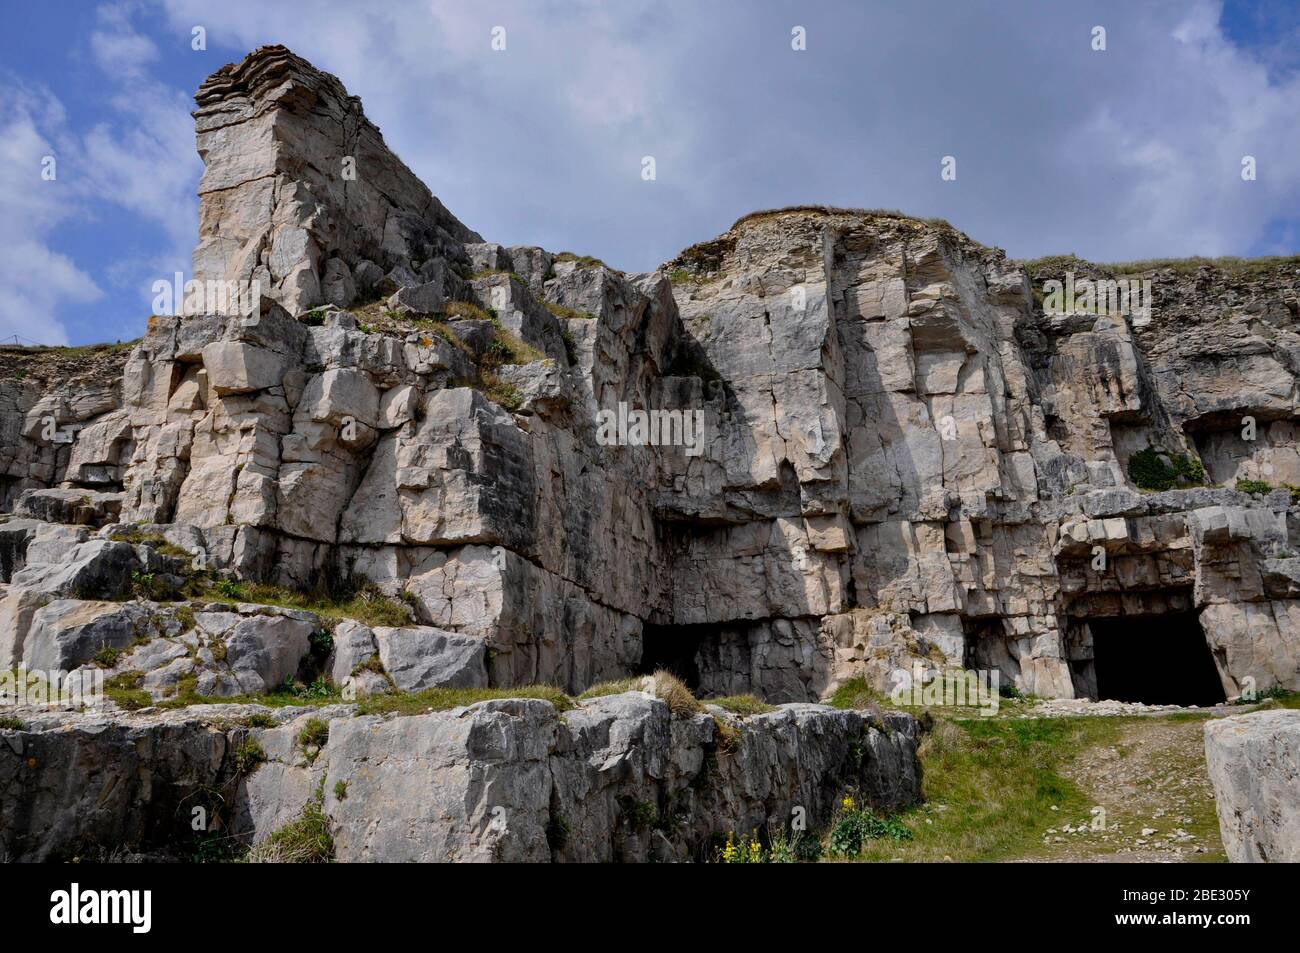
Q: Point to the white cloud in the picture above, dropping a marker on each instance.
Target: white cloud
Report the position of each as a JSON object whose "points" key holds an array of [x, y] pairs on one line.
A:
{"points": [[1130, 153], [118, 49], [37, 280]]}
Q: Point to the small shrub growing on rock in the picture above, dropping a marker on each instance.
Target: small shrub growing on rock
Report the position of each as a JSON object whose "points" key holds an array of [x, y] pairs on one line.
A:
{"points": [[314, 734], [340, 790], [148, 585], [321, 642], [107, 656], [1153, 469], [726, 736], [855, 827], [640, 814], [782, 850], [10, 723], [807, 848], [743, 851], [230, 589], [1254, 487], [249, 756], [306, 840]]}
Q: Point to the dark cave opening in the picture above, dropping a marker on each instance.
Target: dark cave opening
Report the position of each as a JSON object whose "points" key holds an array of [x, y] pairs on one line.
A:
{"points": [[674, 648], [1156, 660]]}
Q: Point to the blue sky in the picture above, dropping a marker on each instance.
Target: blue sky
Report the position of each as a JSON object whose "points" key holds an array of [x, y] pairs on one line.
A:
{"points": [[1130, 152]]}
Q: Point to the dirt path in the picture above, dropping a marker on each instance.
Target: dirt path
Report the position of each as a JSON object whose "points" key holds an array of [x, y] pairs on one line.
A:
{"points": [[1158, 802]]}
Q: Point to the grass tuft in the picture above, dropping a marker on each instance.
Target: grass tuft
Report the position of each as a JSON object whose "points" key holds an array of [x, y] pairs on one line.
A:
{"points": [[443, 699], [602, 689], [671, 689], [306, 840], [742, 704]]}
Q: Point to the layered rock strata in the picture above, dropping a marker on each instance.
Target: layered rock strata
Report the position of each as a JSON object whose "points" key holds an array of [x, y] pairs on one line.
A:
{"points": [[905, 458]]}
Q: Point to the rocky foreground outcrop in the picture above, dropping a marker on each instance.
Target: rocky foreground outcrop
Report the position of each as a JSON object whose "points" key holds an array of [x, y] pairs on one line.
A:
{"points": [[1254, 763], [617, 778], [828, 444]]}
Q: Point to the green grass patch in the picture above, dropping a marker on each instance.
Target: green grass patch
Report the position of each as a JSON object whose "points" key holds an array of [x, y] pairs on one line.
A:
{"points": [[10, 723], [501, 393], [1275, 697], [306, 840], [314, 734], [490, 272], [671, 689], [125, 691], [567, 314], [249, 756], [602, 689], [857, 694], [287, 695], [506, 348], [990, 785], [742, 704], [1254, 487], [364, 602], [107, 656], [465, 310], [1155, 469], [584, 261], [443, 699]]}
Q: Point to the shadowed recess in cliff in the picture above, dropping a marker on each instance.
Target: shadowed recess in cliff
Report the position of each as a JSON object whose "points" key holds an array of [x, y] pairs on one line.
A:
{"points": [[1157, 661]]}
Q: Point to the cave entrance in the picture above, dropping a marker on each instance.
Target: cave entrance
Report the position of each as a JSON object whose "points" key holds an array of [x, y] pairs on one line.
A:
{"points": [[674, 648], [1156, 660]]}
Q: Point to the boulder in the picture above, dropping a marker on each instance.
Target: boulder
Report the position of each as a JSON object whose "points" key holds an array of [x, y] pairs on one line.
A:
{"points": [[67, 633], [234, 367], [1254, 765], [421, 656]]}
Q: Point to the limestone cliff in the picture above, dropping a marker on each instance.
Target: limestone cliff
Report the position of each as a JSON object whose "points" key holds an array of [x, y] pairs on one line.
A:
{"points": [[904, 456]]}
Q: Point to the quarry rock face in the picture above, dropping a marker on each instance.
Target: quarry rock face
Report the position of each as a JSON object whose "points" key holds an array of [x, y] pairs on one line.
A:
{"points": [[618, 778], [1254, 763], [280, 143], [826, 445]]}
